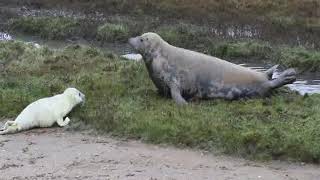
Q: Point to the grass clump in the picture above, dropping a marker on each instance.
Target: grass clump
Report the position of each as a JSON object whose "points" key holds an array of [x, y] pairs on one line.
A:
{"points": [[113, 32], [246, 49], [46, 27], [307, 60], [184, 35], [122, 100]]}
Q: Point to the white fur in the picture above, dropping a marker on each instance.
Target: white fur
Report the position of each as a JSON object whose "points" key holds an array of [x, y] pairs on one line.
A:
{"points": [[133, 57], [45, 112]]}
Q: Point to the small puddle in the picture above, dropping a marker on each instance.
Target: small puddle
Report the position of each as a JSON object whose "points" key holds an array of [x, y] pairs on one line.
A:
{"points": [[307, 83]]}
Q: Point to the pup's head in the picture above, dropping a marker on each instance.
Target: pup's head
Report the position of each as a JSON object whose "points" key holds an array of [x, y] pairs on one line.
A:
{"points": [[75, 95], [146, 43]]}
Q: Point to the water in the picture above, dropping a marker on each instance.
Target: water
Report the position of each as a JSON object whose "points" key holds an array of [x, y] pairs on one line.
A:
{"points": [[307, 83], [291, 36], [60, 44]]}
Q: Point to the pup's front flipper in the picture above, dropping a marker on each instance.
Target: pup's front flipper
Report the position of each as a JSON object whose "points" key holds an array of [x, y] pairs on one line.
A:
{"points": [[62, 122]]}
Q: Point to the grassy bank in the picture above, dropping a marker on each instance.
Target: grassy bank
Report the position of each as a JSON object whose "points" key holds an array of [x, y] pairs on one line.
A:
{"points": [[121, 100], [199, 38], [278, 12]]}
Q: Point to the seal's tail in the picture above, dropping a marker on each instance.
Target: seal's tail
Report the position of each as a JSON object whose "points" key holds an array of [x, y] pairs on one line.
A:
{"points": [[272, 70], [286, 77]]}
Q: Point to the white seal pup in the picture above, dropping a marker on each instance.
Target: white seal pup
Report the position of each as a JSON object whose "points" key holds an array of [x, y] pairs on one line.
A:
{"points": [[45, 112], [184, 74]]}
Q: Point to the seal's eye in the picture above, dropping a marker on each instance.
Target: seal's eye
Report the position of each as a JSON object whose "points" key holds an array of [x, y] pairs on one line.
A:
{"points": [[141, 40], [80, 94], [147, 39]]}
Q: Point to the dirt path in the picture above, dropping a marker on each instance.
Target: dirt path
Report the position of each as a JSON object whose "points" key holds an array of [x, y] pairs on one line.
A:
{"points": [[59, 154]]}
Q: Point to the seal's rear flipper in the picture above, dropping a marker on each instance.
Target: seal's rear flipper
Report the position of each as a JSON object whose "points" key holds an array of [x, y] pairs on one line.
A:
{"points": [[3, 132], [5, 126], [286, 77], [270, 71], [10, 128]]}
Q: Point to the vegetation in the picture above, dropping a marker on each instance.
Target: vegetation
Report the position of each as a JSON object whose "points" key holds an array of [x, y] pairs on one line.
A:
{"points": [[122, 101], [46, 27], [300, 57], [282, 12], [113, 32], [184, 35]]}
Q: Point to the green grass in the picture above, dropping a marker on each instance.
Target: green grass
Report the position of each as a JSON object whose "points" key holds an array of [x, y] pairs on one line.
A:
{"points": [[46, 27], [185, 35], [113, 33], [300, 57], [122, 101], [243, 49]]}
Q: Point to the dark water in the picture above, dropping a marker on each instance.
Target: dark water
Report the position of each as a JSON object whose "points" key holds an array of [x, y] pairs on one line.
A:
{"points": [[307, 83]]}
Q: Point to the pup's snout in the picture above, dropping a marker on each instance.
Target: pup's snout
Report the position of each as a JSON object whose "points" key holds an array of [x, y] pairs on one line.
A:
{"points": [[83, 100]]}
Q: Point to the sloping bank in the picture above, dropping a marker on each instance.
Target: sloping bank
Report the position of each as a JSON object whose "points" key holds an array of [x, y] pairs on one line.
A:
{"points": [[302, 13], [122, 101], [200, 38]]}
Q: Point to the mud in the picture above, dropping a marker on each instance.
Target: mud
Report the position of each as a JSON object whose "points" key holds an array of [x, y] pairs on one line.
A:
{"points": [[56, 153]]}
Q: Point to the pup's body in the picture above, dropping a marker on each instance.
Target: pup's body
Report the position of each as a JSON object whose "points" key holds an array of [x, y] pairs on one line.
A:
{"points": [[186, 74], [45, 112]]}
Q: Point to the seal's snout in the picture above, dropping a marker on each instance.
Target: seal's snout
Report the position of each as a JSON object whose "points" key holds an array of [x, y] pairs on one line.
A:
{"points": [[131, 41]]}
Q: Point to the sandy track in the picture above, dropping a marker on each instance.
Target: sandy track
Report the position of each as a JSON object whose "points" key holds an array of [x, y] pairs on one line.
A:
{"points": [[58, 154]]}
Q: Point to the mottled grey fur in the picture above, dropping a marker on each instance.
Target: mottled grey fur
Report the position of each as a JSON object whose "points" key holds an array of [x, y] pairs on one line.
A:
{"points": [[184, 74]]}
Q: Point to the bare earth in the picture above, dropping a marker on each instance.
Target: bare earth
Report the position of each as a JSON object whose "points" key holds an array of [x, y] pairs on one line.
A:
{"points": [[59, 154]]}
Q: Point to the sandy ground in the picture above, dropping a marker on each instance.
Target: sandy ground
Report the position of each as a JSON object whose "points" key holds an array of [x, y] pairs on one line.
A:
{"points": [[59, 154]]}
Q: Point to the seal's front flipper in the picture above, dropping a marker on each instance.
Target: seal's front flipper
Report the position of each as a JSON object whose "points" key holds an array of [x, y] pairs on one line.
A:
{"points": [[270, 71], [62, 122], [176, 95], [286, 77]]}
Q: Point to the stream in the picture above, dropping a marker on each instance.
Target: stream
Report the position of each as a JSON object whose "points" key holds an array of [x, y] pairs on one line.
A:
{"points": [[307, 83]]}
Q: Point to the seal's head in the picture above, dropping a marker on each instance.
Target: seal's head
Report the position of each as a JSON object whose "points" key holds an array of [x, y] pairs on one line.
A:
{"points": [[147, 43], [75, 95]]}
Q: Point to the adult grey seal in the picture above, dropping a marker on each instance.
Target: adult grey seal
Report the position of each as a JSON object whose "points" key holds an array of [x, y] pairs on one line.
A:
{"points": [[184, 74]]}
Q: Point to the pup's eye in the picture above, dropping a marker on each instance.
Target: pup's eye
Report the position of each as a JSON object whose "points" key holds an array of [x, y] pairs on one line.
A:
{"points": [[79, 94], [147, 39], [141, 40]]}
